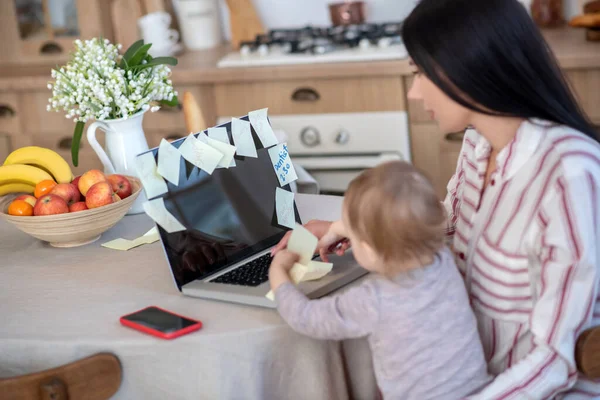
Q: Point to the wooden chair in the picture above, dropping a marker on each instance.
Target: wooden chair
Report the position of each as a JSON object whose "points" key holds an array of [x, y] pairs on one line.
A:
{"points": [[97, 377], [587, 353]]}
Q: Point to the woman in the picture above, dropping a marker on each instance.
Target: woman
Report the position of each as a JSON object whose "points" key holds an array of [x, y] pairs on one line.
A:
{"points": [[523, 204]]}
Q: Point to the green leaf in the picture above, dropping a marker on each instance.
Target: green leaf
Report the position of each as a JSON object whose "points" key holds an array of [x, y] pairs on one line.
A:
{"points": [[157, 61], [139, 55], [131, 51], [75, 142], [174, 101]]}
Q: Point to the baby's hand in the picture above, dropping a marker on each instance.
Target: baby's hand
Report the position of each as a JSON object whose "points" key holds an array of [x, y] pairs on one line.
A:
{"points": [[335, 240], [280, 266]]}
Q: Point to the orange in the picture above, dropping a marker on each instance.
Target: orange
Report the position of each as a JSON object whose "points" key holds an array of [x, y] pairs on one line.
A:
{"points": [[20, 208], [44, 187]]}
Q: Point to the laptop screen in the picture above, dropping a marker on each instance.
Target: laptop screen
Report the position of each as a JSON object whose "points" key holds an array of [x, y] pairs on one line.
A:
{"points": [[229, 215]]}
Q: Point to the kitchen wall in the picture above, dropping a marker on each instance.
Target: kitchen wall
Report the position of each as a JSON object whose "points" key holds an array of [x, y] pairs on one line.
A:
{"points": [[297, 13]]}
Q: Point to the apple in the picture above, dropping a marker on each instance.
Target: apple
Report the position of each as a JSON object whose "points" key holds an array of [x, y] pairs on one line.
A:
{"points": [[28, 198], [75, 181], [79, 206], [120, 185], [100, 194], [50, 204], [68, 191], [89, 179], [115, 197]]}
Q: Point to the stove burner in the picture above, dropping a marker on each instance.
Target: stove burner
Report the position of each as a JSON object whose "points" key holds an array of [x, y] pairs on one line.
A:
{"points": [[321, 40]]}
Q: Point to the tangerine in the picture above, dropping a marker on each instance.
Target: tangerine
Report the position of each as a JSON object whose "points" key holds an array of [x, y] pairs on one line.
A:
{"points": [[20, 208], [43, 187]]}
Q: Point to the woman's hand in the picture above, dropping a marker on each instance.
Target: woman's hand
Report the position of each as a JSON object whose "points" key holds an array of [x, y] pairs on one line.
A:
{"points": [[280, 268], [316, 227]]}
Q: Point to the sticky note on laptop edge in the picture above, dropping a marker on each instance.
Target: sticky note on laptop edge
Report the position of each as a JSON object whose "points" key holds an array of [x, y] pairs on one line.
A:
{"points": [[168, 162], [241, 134], [153, 183], [200, 154], [282, 164], [284, 207], [262, 127], [218, 138]]}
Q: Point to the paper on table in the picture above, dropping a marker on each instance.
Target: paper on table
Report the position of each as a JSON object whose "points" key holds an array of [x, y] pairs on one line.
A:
{"points": [[284, 206], [262, 127], [200, 154], [168, 162], [303, 243], [123, 244], [158, 212], [315, 270], [153, 183], [218, 138], [282, 163], [242, 138]]}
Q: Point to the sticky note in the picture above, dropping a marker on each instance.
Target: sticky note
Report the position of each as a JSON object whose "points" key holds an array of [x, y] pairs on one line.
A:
{"points": [[284, 207], [262, 127], [282, 164], [168, 162], [153, 183], [200, 154], [315, 270], [218, 138], [158, 212], [303, 243], [123, 244], [242, 138]]}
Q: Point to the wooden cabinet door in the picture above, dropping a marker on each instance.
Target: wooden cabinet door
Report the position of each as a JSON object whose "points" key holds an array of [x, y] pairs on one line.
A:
{"points": [[435, 153], [586, 85]]}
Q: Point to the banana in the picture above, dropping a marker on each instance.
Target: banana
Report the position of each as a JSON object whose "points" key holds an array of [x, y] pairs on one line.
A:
{"points": [[16, 188], [19, 173], [42, 158]]}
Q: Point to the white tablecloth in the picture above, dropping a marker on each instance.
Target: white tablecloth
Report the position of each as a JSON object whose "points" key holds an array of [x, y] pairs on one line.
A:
{"points": [[60, 305]]}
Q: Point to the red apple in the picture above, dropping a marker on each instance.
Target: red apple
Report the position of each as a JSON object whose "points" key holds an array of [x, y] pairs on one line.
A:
{"points": [[120, 185], [68, 192], [28, 198], [100, 194], [89, 179], [50, 204], [75, 181], [79, 206]]}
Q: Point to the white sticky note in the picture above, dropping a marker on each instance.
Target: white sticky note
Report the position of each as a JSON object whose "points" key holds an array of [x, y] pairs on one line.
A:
{"points": [[284, 207], [303, 243], [158, 212], [123, 244], [200, 154], [282, 164], [218, 138], [242, 138], [168, 162], [262, 127], [153, 183], [151, 232], [118, 244]]}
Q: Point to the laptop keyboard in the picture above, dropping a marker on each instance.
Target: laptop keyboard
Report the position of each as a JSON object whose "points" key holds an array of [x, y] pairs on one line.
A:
{"points": [[251, 274]]}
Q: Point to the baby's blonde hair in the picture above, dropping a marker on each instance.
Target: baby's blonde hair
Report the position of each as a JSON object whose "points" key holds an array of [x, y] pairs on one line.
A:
{"points": [[394, 208]]}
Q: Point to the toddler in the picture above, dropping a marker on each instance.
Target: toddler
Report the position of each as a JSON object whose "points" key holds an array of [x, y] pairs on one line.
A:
{"points": [[413, 307]]}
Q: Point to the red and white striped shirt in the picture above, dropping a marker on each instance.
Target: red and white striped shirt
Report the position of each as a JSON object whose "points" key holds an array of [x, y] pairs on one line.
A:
{"points": [[529, 251]]}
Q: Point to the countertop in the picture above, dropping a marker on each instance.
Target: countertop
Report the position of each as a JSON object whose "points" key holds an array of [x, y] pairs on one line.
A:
{"points": [[200, 67]]}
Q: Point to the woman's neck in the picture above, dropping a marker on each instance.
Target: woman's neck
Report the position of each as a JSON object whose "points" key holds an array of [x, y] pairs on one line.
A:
{"points": [[498, 131]]}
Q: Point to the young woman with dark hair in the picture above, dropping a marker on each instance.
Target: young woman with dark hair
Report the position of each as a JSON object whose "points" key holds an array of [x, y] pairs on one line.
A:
{"points": [[523, 204]]}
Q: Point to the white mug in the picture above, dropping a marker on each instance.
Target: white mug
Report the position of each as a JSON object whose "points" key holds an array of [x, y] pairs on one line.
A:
{"points": [[154, 28], [199, 22]]}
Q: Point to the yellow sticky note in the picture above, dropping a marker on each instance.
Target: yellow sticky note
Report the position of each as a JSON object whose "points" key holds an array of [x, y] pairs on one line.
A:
{"points": [[219, 140], [153, 183], [200, 154], [303, 243], [123, 244], [168, 162], [262, 127], [242, 138], [118, 244], [315, 270], [284, 207]]}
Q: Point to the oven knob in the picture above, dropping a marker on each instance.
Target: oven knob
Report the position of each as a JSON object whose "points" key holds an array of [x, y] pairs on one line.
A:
{"points": [[342, 137], [310, 136]]}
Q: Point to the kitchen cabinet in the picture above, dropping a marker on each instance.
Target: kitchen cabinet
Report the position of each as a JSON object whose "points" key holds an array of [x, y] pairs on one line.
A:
{"points": [[586, 85]]}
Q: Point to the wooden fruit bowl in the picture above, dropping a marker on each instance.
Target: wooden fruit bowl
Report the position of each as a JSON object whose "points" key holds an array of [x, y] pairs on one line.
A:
{"points": [[72, 229]]}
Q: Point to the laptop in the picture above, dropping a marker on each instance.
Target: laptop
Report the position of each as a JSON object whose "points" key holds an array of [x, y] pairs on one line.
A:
{"points": [[231, 227]]}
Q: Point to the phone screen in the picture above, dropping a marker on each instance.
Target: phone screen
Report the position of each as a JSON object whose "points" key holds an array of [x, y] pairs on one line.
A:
{"points": [[159, 320]]}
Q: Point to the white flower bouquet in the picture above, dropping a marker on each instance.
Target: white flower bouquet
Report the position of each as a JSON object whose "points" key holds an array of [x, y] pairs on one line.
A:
{"points": [[99, 83]]}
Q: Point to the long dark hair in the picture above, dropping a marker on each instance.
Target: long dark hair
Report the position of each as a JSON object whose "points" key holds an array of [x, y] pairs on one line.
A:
{"points": [[489, 56]]}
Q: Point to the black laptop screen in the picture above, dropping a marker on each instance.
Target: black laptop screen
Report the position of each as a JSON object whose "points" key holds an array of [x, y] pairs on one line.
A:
{"points": [[228, 216]]}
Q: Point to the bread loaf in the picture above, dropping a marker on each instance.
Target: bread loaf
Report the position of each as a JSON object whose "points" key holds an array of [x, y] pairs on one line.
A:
{"points": [[586, 21]]}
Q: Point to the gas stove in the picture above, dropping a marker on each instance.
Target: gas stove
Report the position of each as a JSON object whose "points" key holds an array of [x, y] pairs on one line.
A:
{"points": [[343, 43]]}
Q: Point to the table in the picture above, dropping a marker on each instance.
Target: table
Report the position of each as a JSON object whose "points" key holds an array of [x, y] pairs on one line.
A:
{"points": [[60, 305]]}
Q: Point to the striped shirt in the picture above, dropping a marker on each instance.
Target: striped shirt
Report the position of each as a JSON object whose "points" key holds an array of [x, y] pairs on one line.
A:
{"points": [[528, 247]]}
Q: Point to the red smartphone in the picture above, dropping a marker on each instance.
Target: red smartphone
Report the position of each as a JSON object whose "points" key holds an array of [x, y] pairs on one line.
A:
{"points": [[160, 323]]}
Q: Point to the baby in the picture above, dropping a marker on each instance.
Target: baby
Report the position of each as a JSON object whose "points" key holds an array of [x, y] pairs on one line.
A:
{"points": [[413, 307]]}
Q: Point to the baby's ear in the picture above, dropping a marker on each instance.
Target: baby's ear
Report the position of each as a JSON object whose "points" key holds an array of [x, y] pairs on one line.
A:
{"points": [[371, 255]]}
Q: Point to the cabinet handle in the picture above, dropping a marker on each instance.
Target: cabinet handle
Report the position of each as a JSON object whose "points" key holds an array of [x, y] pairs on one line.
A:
{"points": [[6, 111], [455, 136], [65, 143], [51, 48], [305, 94]]}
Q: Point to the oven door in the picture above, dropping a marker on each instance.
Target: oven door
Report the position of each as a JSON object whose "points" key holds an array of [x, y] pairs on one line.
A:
{"points": [[335, 172]]}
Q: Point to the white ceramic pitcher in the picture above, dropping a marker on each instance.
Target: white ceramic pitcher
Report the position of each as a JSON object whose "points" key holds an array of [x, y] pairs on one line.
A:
{"points": [[124, 139]]}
